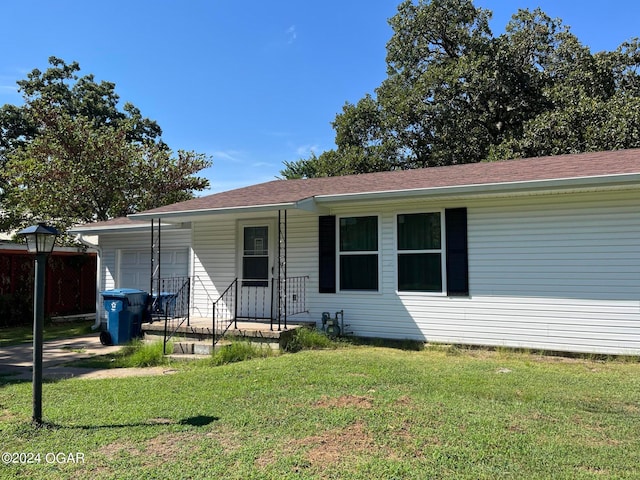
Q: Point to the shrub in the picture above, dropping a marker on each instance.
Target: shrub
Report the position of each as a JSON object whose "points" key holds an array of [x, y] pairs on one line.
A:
{"points": [[238, 351], [308, 339], [140, 354]]}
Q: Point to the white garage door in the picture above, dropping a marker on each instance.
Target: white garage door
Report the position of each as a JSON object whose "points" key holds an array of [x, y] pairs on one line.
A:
{"points": [[135, 266]]}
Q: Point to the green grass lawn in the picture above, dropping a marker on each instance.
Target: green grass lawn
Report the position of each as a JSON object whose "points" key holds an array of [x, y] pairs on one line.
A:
{"points": [[350, 413]]}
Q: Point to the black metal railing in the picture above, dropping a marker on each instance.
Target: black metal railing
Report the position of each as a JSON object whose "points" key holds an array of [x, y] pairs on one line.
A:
{"points": [[268, 301], [225, 311], [255, 300], [171, 304], [291, 299]]}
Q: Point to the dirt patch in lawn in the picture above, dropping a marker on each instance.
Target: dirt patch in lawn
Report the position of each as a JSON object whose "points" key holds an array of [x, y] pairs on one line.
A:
{"points": [[344, 401], [329, 448], [170, 445], [156, 450], [404, 401], [6, 415], [115, 449]]}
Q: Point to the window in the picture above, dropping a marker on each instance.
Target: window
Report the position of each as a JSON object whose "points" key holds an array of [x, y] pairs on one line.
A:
{"points": [[358, 253], [431, 253], [420, 254]]}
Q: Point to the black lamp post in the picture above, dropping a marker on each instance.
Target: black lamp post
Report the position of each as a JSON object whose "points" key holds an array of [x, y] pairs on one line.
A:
{"points": [[40, 240]]}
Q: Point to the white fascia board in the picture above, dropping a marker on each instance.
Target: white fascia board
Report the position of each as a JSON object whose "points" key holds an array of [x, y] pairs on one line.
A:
{"points": [[22, 247], [310, 205], [494, 189], [88, 230], [183, 215]]}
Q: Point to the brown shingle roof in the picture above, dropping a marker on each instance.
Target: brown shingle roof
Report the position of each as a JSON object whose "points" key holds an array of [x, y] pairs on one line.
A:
{"points": [[278, 192], [595, 164]]}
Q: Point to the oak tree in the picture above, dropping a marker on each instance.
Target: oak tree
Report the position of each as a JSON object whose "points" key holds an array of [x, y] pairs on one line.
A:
{"points": [[456, 93], [70, 155]]}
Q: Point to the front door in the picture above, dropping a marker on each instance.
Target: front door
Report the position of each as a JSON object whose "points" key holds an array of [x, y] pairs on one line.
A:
{"points": [[255, 270]]}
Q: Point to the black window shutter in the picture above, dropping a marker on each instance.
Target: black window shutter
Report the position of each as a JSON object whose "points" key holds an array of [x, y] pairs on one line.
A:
{"points": [[327, 253], [457, 256]]}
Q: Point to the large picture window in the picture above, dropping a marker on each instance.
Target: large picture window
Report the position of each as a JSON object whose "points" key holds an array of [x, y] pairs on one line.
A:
{"points": [[358, 253], [420, 254]]}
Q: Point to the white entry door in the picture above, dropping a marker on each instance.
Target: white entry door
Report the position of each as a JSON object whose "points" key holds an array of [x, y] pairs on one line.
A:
{"points": [[255, 269]]}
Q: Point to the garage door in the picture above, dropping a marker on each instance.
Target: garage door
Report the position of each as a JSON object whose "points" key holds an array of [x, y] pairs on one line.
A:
{"points": [[135, 266]]}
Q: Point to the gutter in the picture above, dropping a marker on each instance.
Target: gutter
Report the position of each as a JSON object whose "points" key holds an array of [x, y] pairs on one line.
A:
{"points": [[629, 180], [88, 230], [212, 211], [98, 321]]}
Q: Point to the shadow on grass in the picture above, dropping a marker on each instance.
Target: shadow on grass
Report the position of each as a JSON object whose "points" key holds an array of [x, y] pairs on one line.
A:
{"points": [[7, 379], [197, 421], [404, 344]]}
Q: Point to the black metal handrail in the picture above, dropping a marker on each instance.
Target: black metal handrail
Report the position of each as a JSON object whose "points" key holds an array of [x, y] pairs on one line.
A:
{"points": [[225, 311], [171, 304]]}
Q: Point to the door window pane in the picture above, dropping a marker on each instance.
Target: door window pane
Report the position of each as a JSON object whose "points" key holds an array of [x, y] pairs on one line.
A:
{"points": [[256, 241], [255, 268]]}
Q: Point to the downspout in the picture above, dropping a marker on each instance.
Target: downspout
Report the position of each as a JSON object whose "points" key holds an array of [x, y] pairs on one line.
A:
{"points": [[98, 320]]}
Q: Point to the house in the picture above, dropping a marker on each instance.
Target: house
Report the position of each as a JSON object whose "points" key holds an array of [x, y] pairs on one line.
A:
{"points": [[541, 253]]}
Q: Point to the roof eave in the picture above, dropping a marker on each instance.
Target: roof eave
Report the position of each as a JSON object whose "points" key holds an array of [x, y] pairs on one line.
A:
{"points": [[492, 189], [182, 215], [320, 203], [89, 230]]}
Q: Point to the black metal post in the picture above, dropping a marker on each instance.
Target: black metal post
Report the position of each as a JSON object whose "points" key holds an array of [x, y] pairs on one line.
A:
{"points": [[235, 304], [152, 261], [159, 265], [285, 270], [38, 327]]}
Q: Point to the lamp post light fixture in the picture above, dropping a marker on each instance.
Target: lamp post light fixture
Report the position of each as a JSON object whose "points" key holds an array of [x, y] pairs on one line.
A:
{"points": [[40, 240]]}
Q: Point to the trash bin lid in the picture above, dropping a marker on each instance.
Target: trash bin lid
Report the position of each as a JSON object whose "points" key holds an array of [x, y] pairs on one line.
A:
{"points": [[163, 294], [121, 292]]}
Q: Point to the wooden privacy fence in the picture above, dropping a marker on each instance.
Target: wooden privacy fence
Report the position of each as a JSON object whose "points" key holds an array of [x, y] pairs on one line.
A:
{"points": [[70, 285]]}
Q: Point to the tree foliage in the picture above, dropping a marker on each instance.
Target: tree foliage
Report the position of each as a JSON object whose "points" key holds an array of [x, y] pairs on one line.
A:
{"points": [[69, 155], [455, 93]]}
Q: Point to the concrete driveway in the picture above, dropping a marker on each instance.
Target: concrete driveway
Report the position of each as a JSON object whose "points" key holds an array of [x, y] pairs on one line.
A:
{"points": [[16, 361]]}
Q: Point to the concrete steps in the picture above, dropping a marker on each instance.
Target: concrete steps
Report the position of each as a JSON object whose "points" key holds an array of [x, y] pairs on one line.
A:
{"points": [[197, 339]]}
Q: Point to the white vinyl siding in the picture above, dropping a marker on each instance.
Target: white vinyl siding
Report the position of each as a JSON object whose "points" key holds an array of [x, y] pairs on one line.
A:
{"points": [[556, 272], [547, 271], [214, 261], [571, 249]]}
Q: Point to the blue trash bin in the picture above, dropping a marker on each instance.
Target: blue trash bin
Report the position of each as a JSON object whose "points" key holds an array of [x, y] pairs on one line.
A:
{"points": [[126, 308], [163, 305]]}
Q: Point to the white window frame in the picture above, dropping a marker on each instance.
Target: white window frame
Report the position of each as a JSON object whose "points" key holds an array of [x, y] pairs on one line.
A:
{"points": [[377, 252], [442, 251]]}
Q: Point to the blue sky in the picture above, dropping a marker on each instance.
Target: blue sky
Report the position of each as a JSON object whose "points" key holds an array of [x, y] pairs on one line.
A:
{"points": [[250, 83]]}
